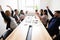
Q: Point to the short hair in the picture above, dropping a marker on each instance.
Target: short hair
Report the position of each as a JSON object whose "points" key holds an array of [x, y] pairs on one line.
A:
{"points": [[15, 10], [57, 11]]}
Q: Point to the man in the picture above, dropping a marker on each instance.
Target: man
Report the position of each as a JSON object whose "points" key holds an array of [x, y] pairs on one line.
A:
{"points": [[54, 23]]}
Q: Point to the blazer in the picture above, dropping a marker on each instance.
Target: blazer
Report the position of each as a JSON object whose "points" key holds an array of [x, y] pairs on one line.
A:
{"points": [[54, 23]]}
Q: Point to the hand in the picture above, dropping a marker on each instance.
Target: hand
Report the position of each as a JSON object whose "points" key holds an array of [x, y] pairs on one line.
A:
{"points": [[9, 7], [0, 8], [47, 7]]}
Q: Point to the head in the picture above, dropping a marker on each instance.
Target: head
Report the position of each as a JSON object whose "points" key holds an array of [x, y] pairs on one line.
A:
{"points": [[41, 12], [45, 12], [21, 12], [36, 10], [16, 12], [7, 12], [57, 13]]}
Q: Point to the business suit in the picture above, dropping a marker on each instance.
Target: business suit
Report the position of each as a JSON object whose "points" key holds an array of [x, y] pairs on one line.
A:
{"points": [[54, 23]]}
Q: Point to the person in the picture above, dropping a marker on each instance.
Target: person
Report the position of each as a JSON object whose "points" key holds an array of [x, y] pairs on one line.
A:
{"points": [[26, 12], [37, 13], [22, 15], [21, 12], [44, 18], [11, 23], [41, 12], [11, 10], [54, 23], [16, 16]]}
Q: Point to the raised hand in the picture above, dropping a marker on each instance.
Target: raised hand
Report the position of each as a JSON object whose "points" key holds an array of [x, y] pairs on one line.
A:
{"points": [[9, 7], [47, 7], [0, 8]]}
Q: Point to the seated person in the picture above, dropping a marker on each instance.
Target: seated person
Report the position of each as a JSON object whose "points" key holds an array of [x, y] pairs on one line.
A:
{"points": [[16, 16], [54, 23], [11, 23], [41, 12], [44, 18], [22, 15]]}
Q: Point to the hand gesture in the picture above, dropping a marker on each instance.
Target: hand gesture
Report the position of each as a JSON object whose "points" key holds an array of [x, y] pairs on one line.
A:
{"points": [[47, 7], [9, 7], [0, 8]]}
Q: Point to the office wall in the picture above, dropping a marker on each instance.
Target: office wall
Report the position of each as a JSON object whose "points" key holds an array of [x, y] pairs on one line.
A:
{"points": [[55, 5], [12, 3]]}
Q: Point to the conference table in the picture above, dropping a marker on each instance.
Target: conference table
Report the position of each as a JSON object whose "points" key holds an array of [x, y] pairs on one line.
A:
{"points": [[31, 28]]}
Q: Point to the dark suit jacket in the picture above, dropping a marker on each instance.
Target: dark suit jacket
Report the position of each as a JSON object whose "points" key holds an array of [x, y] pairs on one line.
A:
{"points": [[54, 23]]}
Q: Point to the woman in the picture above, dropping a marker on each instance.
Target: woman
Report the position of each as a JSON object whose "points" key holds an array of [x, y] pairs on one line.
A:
{"points": [[22, 15], [44, 18], [8, 19], [11, 23]]}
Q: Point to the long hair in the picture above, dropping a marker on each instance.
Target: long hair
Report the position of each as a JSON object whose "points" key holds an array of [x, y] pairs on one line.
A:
{"points": [[7, 13], [46, 13]]}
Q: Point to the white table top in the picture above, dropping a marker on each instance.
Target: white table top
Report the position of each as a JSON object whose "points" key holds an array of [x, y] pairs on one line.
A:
{"points": [[38, 30]]}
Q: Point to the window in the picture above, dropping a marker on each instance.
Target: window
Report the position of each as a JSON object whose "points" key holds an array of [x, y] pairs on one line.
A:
{"points": [[29, 4]]}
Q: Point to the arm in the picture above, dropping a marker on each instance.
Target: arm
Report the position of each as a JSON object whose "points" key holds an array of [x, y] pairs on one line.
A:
{"points": [[50, 12], [1, 8], [11, 10], [6, 18], [9, 7], [12, 13]]}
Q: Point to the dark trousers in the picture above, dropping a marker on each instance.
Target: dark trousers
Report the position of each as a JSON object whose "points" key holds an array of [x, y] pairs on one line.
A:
{"points": [[6, 34]]}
